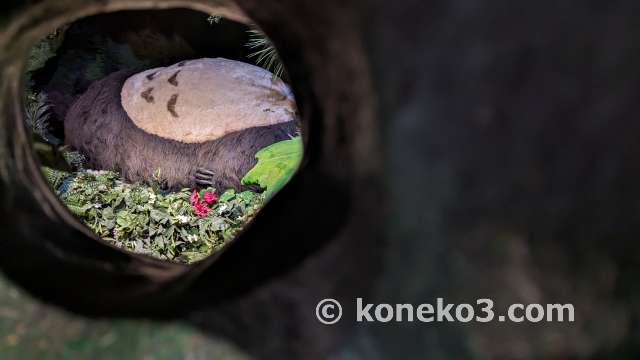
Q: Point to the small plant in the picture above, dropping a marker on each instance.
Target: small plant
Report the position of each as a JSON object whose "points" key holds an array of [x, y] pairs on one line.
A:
{"points": [[37, 114], [265, 52], [54, 177], [37, 107]]}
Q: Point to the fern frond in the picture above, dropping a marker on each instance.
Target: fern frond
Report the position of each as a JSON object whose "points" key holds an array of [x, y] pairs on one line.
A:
{"points": [[37, 112], [54, 177]]}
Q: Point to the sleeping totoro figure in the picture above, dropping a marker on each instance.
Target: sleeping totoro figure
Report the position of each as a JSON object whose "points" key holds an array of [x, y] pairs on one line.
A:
{"points": [[196, 123]]}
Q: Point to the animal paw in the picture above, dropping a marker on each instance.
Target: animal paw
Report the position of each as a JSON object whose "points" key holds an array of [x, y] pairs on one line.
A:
{"points": [[204, 177]]}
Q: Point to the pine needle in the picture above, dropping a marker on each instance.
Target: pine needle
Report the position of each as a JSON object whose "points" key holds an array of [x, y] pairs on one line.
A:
{"points": [[265, 53]]}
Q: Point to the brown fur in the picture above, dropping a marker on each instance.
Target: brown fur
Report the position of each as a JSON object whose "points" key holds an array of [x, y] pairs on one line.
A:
{"points": [[98, 126]]}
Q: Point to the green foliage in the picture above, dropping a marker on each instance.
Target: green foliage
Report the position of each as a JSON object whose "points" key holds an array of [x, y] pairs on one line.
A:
{"points": [[37, 107], [54, 177], [37, 113], [39, 54], [276, 165], [75, 160], [265, 52], [142, 219], [44, 50]]}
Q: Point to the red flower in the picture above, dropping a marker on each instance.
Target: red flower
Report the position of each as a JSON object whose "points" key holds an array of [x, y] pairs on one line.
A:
{"points": [[201, 209], [210, 197], [194, 198]]}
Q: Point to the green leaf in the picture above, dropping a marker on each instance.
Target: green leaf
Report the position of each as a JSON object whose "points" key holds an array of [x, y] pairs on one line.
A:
{"points": [[109, 224], [276, 165], [227, 195], [108, 213], [247, 196], [158, 215]]}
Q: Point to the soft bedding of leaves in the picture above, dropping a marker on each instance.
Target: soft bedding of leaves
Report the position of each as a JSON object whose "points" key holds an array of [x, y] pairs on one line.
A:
{"points": [[144, 219]]}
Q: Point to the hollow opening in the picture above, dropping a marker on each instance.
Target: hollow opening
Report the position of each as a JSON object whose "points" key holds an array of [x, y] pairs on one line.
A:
{"points": [[163, 131]]}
